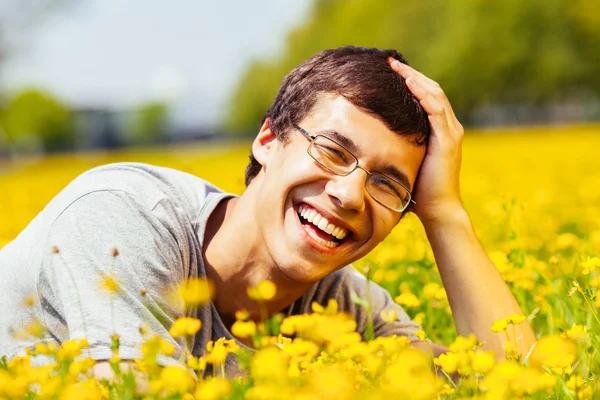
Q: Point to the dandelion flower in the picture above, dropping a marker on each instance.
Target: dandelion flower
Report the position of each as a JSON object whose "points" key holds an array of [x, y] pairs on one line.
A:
{"points": [[589, 265], [213, 389], [553, 352], [185, 326], [499, 326], [265, 290], [389, 315], [195, 291], [408, 299], [176, 379], [243, 329]]}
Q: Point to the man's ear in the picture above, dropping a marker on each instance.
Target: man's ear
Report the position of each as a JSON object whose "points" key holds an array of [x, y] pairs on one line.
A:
{"points": [[264, 144]]}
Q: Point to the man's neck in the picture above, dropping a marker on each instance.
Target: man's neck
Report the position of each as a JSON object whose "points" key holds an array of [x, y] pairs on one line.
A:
{"points": [[236, 258]]}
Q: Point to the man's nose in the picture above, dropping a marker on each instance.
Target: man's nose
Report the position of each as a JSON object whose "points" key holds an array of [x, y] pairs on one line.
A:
{"points": [[348, 191]]}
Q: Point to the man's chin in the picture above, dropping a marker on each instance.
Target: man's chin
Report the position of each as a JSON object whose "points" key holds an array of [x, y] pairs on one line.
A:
{"points": [[302, 275]]}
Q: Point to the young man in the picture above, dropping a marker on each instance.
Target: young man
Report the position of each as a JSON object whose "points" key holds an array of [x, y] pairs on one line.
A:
{"points": [[334, 168]]}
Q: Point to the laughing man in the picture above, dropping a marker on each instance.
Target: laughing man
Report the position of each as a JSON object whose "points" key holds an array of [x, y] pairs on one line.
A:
{"points": [[354, 140]]}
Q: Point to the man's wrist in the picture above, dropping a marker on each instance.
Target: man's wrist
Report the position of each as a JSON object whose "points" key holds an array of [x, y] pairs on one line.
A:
{"points": [[449, 216]]}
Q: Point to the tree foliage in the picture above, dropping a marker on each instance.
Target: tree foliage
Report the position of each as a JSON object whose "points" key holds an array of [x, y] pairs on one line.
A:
{"points": [[34, 118], [149, 123], [482, 53]]}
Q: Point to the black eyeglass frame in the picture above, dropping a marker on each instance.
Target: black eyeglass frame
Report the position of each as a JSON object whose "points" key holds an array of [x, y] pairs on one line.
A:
{"points": [[312, 138]]}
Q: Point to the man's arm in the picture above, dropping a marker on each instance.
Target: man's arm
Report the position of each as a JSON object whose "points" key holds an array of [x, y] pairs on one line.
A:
{"points": [[476, 292]]}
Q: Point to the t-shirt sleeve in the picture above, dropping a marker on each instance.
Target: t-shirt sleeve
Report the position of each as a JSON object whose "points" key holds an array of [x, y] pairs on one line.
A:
{"points": [[114, 234]]}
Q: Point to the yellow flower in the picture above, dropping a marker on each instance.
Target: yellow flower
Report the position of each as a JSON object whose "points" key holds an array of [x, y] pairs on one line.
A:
{"points": [[47, 348], [449, 362], [408, 299], [420, 334], [510, 350], [195, 291], [11, 386], [81, 367], [269, 364], [482, 361], [109, 284], [410, 376], [499, 326], [553, 352], [430, 291], [242, 315], [185, 326], [243, 329], [265, 290], [154, 346], [591, 264], [34, 328], [176, 379], [575, 382], [71, 349], [86, 390], [331, 382], [317, 308], [217, 352], [515, 319], [213, 389], [419, 318], [463, 343], [389, 315], [577, 332], [566, 240]]}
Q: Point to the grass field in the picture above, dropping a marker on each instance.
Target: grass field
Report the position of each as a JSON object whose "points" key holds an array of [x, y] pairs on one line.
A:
{"points": [[534, 198]]}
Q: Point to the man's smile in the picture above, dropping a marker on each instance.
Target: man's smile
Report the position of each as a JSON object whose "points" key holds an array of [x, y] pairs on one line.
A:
{"points": [[322, 229]]}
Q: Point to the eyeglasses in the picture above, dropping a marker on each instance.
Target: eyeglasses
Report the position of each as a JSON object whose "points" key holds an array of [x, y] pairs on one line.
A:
{"points": [[335, 158]]}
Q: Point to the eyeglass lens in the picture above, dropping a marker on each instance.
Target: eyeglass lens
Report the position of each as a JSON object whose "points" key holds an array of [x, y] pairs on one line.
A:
{"points": [[335, 158]]}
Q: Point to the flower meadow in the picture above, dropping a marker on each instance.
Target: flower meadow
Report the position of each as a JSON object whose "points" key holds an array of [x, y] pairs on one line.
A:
{"points": [[534, 198]]}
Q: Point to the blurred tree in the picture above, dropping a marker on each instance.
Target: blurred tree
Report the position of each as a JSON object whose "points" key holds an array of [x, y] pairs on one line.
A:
{"points": [[34, 120], [482, 53], [16, 21], [149, 123]]}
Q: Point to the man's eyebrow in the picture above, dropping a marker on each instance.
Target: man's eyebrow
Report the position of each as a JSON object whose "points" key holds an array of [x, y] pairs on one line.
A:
{"points": [[397, 175], [341, 139]]}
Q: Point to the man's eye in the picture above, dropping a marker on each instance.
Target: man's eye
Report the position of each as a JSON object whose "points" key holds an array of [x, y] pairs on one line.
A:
{"points": [[334, 154], [385, 185]]}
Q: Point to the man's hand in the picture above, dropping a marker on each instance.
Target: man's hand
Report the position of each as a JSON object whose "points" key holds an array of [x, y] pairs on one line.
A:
{"points": [[437, 191], [476, 292]]}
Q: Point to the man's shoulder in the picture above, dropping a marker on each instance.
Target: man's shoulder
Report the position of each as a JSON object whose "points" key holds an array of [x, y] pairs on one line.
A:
{"points": [[143, 179], [149, 184]]}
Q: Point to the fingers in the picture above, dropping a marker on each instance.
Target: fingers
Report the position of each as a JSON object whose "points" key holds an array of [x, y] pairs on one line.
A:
{"points": [[406, 71], [429, 93]]}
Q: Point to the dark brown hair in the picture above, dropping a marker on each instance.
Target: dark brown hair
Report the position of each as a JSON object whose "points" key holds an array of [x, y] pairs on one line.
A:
{"points": [[363, 77]]}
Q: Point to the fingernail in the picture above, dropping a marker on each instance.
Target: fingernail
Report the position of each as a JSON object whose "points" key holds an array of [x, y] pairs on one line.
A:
{"points": [[397, 63]]}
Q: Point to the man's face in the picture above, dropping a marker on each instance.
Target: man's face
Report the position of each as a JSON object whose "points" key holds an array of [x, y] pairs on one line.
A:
{"points": [[291, 183]]}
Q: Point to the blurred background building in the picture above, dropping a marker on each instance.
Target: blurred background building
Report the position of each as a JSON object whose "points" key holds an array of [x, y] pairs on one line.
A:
{"points": [[86, 74]]}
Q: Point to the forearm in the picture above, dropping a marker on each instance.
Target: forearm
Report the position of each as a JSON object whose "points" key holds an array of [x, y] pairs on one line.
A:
{"points": [[476, 292]]}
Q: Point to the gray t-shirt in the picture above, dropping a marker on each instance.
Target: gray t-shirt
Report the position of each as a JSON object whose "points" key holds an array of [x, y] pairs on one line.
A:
{"points": [[156, 218]]}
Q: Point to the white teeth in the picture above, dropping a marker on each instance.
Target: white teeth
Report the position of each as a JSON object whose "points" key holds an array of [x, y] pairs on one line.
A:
{"points": [[323, 224], [312, 216], [341, 234], [329, 228], [304, 211], [316, 219], [324, 242]]}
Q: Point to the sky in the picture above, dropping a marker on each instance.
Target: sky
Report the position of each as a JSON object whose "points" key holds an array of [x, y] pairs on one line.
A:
{"points": [[117, 54]]}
